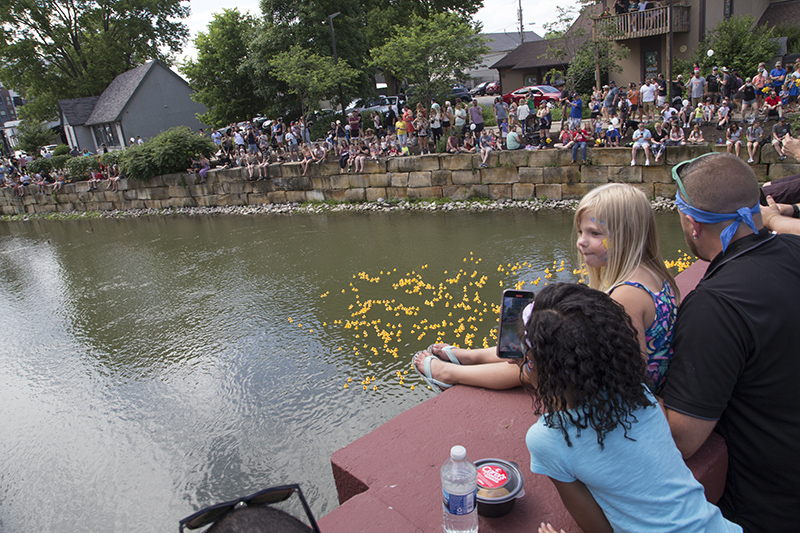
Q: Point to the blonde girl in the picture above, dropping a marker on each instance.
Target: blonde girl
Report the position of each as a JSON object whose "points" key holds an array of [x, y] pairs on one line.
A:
{"points": [[617, 241]]}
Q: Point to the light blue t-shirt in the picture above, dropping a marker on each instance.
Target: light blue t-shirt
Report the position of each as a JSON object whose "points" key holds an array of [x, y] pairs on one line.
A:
{"points": [[641, 484]]}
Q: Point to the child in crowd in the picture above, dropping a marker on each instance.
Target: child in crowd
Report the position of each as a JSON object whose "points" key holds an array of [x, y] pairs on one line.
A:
{"points": [[696, 135], [709, 111], [306, 159], [503, 133], [612, 136], [723, 115], [733, 138], [252, 163], [469, 143], [618, 243], [485, 144], [393, 146], [753, 134], [599, 426]]}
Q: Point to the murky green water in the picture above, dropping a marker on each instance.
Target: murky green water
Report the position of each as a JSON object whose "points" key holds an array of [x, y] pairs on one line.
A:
{"points": [[153, 366]]}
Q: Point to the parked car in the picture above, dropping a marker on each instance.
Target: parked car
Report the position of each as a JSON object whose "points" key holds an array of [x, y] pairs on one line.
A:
{"points": [[380, 104], [541, 93], [480, 89], [460, 91], [493, 87]]}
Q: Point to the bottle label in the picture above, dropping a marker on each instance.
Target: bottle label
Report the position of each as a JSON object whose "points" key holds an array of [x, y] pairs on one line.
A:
{"points": [[459, 504], [492, 476]]}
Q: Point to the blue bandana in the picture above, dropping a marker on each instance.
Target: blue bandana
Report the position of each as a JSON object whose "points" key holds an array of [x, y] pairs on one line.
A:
{"points": [[743, 214]]}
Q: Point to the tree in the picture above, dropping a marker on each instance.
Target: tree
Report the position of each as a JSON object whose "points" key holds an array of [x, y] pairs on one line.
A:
{"points": [[32, 135], [309, 76], [54, 49], [432, 52], [218, 76], [737, 44]]}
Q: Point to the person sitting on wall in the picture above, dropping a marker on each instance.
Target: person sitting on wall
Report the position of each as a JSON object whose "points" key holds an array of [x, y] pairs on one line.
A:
{"points": [[512, 141]]}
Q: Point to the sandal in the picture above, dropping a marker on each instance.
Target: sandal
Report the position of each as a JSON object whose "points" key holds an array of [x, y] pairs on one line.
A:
{"points": [[435, 385], [448, 351]]}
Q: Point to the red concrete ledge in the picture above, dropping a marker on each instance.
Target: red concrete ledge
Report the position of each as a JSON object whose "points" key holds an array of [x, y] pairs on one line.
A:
{"points": [[388, 480]]}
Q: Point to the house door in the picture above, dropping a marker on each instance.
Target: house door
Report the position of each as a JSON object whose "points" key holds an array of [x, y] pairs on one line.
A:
{"points": [[651, 57]]}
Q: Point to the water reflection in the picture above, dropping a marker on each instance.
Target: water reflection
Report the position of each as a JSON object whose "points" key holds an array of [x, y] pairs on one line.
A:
{"points": [[149, 366]]}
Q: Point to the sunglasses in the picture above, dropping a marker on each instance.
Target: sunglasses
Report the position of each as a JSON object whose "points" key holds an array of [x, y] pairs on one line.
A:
{"points": [[264, 497], [676, 176]]}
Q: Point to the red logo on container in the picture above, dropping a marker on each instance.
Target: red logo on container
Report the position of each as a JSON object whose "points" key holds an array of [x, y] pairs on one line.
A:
{"points": [[492, 476]]}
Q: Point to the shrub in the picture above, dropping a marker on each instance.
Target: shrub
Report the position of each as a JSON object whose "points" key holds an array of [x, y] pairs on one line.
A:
{"points": [[111, 158], [168, 152], [61, 149], [78, 167], [39, 165], [59, 162]]}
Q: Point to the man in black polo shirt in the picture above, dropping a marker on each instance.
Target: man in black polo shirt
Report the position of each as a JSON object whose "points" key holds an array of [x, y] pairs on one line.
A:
{"points": [[737, 344]]}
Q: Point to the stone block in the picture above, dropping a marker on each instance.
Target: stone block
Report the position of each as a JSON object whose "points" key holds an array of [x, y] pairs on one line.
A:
{"points": [[172, 180], [180, 202], [781, 170], [499, 175], [397, 192], [274, 170], [155, 181], [550, 191], [150, 204], [321, 182], [611, 156], [424, 192], [399, 179], [153, 193], [466, 177], [300, 183], [455, 192], [340, 181], [65, 208], [258, 198], [337, 195], [122, 184], [355, 195], [291, 170], [543, 158], [47, 208], [576, 190], [236, 187], [382, 179], [678, 154], [500, 191], [127, 205], [561, 174], [659, 174], [30, 198], [176, 191], [647, 188], [371, 166], [626, 174], [329, 168], [277, 197], [664, 190], [590, 174], [761, 172], [358, 180], [419, 179], [14, 209], [440, 178], [531, 175], [456, 162], [564, 157], [232, 199], [296, 196], [523, 191], [401, 164], [261, 186], [426, 162], [373, 193], [209, 200], [314, 196], [518, 158]]}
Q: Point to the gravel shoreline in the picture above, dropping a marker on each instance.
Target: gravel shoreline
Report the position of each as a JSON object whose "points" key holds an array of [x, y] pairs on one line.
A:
{"points": [[380, 206]]}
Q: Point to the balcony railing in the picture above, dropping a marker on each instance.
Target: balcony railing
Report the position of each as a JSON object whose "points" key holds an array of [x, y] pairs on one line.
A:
{"points": [[641, 23]]}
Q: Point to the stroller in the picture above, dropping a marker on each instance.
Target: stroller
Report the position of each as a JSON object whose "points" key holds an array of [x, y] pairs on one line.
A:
{"points": [[532, 136]]}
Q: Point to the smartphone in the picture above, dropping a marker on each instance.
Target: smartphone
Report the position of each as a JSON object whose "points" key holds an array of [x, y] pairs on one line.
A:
{"points": [[763, 198], [510, 342]]}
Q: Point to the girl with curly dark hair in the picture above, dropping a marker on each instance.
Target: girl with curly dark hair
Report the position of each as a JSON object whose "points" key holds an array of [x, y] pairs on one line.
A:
{"points": [[602, 438]]}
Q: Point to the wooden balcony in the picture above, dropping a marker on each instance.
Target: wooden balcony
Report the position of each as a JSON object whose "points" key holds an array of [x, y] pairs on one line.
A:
{"points": [[641, 23]]}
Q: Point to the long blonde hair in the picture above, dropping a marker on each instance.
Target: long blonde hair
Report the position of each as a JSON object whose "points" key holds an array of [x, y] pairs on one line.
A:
{"points": [[632, 236]]}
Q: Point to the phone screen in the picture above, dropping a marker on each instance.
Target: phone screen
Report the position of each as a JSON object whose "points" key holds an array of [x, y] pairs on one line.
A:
{"points": [[510, 344]]}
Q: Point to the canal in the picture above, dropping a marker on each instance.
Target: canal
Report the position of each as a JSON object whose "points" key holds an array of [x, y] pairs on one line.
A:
{"points": [[153, 366]]}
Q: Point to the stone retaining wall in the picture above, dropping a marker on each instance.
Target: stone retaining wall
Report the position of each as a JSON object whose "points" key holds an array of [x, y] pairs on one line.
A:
{"points": [[517, 175]]}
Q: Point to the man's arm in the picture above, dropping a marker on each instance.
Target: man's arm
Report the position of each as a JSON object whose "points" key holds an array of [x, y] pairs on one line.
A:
{"points": [[778, 217], [688, 432]]}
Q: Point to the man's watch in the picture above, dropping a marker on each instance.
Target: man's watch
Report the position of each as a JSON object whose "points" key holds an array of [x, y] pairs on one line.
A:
{"points": [[795, 211]]}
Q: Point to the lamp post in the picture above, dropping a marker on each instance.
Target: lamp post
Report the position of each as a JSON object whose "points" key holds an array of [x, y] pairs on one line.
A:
{"points": [[336, 62]]}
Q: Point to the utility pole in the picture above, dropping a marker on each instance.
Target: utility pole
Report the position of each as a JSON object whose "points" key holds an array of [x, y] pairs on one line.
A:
{"points": [[521, 28], [336, 62]]}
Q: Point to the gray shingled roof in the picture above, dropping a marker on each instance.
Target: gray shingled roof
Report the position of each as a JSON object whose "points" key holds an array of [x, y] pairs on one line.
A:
{"points": [[78, 110], [780, 13], [116, 96], [501, 42]]}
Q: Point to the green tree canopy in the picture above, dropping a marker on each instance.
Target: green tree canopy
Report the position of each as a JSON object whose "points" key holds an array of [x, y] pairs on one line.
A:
{"points": [[54, 49], [309, 76], [737, 43], [33, 135], [221, 81], [432, 52]]}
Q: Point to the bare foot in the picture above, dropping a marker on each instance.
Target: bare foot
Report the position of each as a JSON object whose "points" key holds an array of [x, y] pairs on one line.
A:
{"points": [[437, 366]]}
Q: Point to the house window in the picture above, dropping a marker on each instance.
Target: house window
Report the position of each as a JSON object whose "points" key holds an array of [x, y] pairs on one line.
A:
{"points": [[105, 134], [728, 9], [2, 112]]}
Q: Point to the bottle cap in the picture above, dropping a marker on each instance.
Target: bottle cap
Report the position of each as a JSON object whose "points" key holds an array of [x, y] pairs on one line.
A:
{"points": [[458, 453]]}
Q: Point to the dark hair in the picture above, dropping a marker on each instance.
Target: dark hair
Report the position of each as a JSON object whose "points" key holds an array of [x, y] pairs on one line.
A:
{"points": [[584, 359]]}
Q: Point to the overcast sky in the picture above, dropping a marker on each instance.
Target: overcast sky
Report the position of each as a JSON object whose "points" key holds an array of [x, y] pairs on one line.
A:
{"points": [[497, 16]]}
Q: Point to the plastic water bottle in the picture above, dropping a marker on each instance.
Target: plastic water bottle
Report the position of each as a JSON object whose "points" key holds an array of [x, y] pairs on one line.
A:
{"points": [[459, 489]]}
